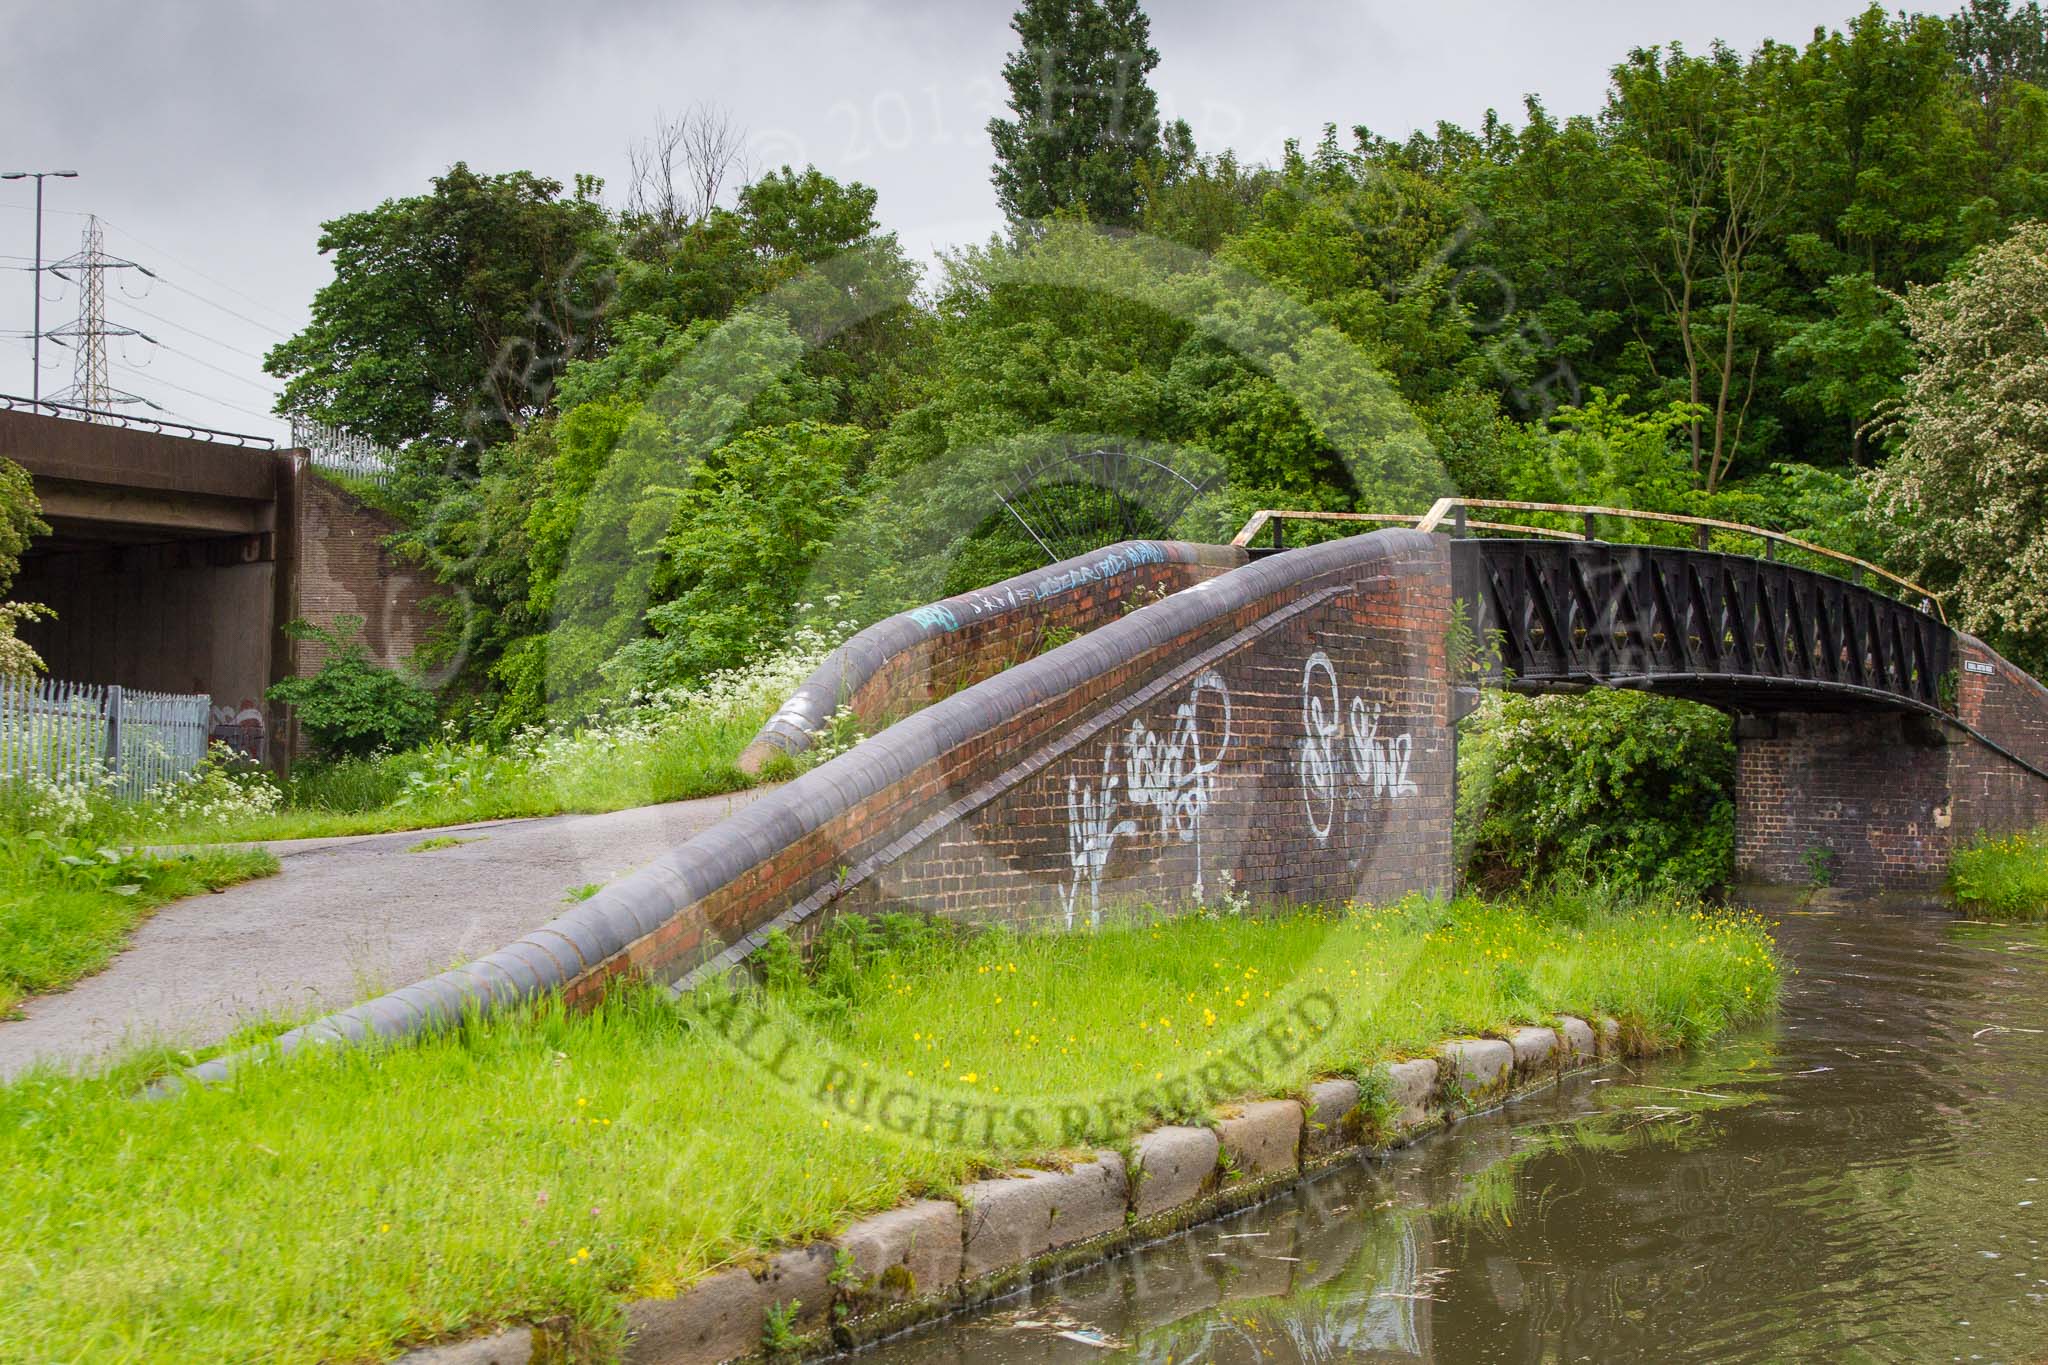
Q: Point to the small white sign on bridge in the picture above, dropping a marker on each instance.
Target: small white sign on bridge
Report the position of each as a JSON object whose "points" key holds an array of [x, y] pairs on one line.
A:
{"points": [[1977, 666]]}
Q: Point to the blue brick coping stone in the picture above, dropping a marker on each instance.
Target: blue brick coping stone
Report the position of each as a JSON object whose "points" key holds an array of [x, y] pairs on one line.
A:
{"points": [[849, 668]]}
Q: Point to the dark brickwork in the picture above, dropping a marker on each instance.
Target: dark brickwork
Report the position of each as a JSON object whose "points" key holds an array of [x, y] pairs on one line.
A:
{"points": [[1888, 796], [1305, 760], [344, 569], [1866, 793]]}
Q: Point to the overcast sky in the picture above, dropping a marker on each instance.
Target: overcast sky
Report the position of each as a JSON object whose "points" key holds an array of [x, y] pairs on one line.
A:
{"points": [[213, 138]]}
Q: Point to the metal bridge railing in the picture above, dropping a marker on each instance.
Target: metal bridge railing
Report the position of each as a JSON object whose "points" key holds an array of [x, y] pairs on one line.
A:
{"points": [[342, 452], [163, 426], [1454, 511]]}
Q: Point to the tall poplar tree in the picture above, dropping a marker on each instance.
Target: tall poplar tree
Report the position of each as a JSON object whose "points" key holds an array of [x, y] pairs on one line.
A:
{"points": [[1087, 120]]}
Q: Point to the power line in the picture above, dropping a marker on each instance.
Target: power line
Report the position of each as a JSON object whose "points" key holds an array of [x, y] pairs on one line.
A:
{"points": [[164, 279], [203, 397], [264, 389], [194, 331], [159, 251]]}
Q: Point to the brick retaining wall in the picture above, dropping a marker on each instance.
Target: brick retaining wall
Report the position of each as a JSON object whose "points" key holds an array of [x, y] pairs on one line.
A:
{"points": [[345, 569]]}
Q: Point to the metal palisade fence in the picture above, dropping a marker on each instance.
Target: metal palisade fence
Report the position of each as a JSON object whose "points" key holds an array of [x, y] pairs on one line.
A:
{"points": [[133, 742], [343, 452]]}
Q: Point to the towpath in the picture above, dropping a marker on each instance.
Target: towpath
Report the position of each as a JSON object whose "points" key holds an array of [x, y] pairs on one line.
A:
{"points": [[344, 918]]}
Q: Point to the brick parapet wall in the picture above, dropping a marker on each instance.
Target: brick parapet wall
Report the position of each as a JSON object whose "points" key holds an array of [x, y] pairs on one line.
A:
{"points": [[1993, 794], [914, 658]]}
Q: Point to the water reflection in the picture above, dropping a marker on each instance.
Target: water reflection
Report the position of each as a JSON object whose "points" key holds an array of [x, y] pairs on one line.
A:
{"points": [[1868, 1181]]}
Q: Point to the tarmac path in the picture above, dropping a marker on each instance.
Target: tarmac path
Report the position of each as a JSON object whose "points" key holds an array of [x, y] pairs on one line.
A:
{"points": [[345, 918]]}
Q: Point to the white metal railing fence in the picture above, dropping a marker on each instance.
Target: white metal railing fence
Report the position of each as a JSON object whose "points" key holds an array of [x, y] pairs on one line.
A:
{"points": [[343, 452], [132, 741]]}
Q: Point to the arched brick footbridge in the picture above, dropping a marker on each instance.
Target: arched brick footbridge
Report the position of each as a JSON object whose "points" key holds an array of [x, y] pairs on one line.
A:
{"points": [[1283, 728]]}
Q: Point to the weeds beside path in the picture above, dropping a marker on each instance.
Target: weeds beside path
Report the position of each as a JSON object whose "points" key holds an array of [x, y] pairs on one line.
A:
{"points": [[541, 1164], [652, 749], [68, 905]]}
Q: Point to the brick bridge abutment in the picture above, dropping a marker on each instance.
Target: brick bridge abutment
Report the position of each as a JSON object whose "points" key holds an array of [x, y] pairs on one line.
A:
{"points": [[1873, 802]]}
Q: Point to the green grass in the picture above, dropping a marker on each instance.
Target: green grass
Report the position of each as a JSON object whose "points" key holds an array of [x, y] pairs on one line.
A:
{"points": [[457, 783], [439, 841], [2004, 878], [67, 906], [338, 1205]]}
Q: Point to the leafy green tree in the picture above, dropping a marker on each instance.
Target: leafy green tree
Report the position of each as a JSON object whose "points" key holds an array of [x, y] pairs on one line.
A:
{"points": [[1851, 360], [744, 534], [1965, 495], [1086, 122], [451, 314], [19, 524], [351, 707]]}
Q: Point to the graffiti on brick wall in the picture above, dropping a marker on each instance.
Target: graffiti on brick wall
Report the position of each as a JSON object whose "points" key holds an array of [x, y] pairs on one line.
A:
{"points": [[1174, 775], [1370, 764], [1092, 831]]}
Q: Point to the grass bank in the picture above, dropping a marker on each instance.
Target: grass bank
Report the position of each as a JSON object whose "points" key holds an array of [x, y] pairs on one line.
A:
{"points": [[668, 746], [336, 1206], [2004, 878], [67, 905]]}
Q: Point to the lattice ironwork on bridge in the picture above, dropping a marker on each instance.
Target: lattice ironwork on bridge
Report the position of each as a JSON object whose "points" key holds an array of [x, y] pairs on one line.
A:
{"points": [[1725, 629]]}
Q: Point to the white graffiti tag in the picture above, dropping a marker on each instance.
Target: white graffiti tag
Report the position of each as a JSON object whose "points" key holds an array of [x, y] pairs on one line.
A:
{"points": [[1175, 776], [1092, 830], [1378, 762]]}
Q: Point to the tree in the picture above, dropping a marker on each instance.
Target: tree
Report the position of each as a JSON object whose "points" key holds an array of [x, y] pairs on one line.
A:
{"points": [[676, 175], [1087, 120], [451, 314], [1965, 496], [1719, 182], [1853, 358], [19, 523]]}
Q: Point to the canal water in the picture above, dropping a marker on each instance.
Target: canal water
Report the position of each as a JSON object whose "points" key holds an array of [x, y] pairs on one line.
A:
{"points": [[1867, 1179]]}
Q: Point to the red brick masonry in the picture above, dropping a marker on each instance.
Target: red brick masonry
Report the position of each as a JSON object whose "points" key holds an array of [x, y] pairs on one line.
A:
{"points": [[1876, 801], [910, 660]]}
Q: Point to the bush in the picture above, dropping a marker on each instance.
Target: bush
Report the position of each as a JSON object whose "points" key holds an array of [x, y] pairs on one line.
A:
{"points": [[351, 706], [1615, 787]]}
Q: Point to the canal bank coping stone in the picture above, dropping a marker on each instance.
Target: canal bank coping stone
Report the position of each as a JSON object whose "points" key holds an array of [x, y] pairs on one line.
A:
{"points": [[933, 1258]]}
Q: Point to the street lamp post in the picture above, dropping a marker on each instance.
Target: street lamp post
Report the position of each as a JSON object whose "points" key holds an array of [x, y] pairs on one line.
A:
{"points": [[35, 381]]}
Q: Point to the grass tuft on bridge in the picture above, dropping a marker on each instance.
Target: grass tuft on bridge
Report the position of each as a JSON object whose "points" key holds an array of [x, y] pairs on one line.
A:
{"points": [[341, 1204]]}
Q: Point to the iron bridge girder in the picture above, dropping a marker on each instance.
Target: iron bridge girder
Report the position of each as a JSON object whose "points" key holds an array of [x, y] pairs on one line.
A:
{"points": [[1735, 632]]}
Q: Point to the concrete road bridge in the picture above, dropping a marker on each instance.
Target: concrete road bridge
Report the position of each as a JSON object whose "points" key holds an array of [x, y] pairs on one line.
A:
{"points": [[176, 556], [1280, 724]]}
